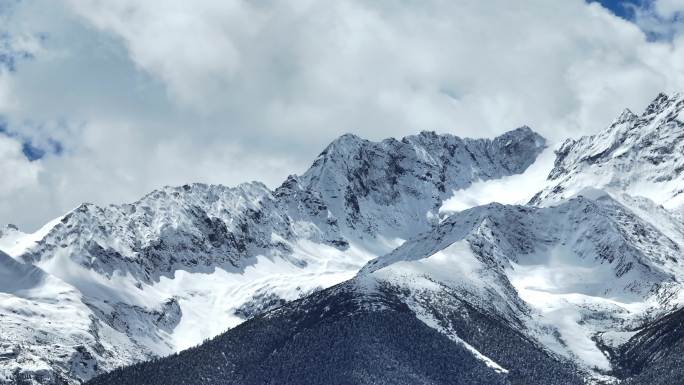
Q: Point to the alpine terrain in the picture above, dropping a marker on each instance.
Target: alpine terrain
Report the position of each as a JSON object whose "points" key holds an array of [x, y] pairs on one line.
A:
{"points": [[104, 287], [372, 267]]}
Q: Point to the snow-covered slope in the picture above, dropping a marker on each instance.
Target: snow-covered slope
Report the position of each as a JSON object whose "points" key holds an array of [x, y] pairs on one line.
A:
{"points": [[564, 274], [185, 263], [15, 242], [348, 334], [10, 236], [513, 189], [47, 329], [638, 155], [522, 294], [519, 292]]}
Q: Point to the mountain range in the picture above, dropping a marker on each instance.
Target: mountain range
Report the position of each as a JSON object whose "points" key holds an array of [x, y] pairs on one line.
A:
{"points": [[354, 272]]}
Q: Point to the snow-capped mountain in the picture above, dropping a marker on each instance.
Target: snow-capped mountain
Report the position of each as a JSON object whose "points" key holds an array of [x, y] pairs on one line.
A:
{"points": [[185, 263], [495, 295], [570, 277], [638, 155], [359, 179], [583, 285]]}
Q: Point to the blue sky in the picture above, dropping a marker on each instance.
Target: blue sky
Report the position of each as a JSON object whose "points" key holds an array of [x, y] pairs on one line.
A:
{"points": [[621, 7], [103, 101], [659, 19]]}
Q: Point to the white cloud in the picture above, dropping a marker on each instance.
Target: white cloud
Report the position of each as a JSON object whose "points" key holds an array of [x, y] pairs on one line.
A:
{"points": [[17, 172], [669, 9], [663, 19], [290, 66], [147, 93], [6, 100], [190, 46]]}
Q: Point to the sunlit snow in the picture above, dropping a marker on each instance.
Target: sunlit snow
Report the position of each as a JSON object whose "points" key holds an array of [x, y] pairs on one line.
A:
{"points": [[513, 189]]}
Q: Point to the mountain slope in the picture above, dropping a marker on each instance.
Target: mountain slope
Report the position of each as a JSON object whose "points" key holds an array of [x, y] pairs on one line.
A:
{"points": [[528, 292], [182, 264], [344, 335], [46, 328], [654, 354]]}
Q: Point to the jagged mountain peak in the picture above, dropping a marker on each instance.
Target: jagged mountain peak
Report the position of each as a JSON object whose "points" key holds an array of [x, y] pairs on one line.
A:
{"points": [[352, 184], [189, 227], [626, 116], [388, 187], [344, 144], [170, 201], [640, 155], [9, 230], [205, 191], [10, 227], [348, 144], [662, 102], [522, 131]]}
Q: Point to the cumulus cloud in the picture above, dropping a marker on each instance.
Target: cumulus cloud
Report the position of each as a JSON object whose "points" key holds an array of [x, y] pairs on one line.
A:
{"points": [[669, 9], [146, 93], [18, 173], [661, 19]]}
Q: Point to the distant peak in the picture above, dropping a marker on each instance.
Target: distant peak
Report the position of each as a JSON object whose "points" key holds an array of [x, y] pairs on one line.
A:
{"points": [[662, 101], [627, 113], [292, 178], [85, 206], [11, 226], [291, 183], [342, 144], [626, 116], [255, 184], [524, 129], [348, 137], [8, 229], [428, 133], [523, 132], [203, 188], [520, 131]]}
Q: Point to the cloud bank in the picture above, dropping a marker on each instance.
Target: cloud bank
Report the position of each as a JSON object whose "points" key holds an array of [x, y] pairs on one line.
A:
{"points": [[141, 94]]}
